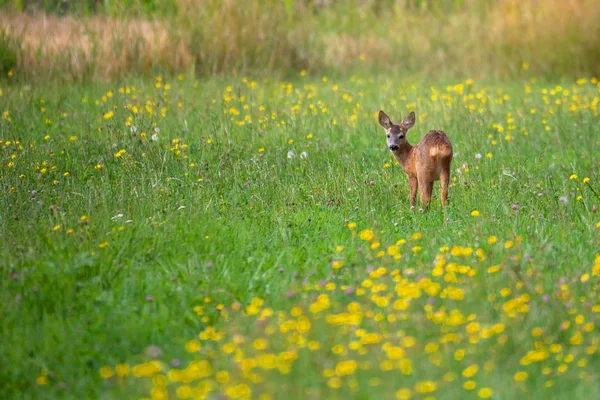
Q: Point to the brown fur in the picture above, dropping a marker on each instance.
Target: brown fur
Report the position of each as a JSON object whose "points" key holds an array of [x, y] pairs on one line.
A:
{"points": [[424, 163]]}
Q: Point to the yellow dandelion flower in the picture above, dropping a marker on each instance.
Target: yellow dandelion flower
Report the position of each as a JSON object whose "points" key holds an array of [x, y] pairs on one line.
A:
{"points": [[425, 387], [475, 213], [520, 376], [192, 346], [366, 234], [404, 394], [485, 393], [106, 372], [123, 370], [470, 371], [345, 368]]}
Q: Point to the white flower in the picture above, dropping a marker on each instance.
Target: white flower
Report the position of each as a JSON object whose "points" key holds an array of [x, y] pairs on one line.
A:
{"points": [[155, 137], [156, 129], [478, 156], [303, 154], [563, 199], [291, 154], [133, 128], [116, 217]]}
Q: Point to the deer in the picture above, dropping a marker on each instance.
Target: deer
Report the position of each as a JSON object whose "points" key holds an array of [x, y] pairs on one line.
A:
{"points": [[424, 163]]}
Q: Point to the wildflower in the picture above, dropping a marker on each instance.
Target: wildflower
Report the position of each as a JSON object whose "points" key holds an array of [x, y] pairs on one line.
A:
{"points": [[404, 394], [470, 371], [122, 370], [192, 346], [106, 372], [351, 225], [475, 213], [345, 368], [366, 234], [425, 387], [520, 376], [485, 393]]}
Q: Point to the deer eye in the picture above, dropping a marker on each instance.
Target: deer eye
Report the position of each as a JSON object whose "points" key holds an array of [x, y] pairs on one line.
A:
{"points": [[388, 136], [401, 136]]}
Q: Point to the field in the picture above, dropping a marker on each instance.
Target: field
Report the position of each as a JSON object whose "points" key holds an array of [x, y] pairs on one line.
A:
{"points": [[236, 238]]}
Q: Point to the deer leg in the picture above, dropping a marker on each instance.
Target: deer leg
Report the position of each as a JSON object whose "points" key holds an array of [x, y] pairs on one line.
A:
{"points": [[414, 185], [426, 189], [445, 180]]}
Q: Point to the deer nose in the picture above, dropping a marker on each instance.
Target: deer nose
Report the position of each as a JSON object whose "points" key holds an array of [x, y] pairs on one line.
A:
{"points": [[393, 147]]}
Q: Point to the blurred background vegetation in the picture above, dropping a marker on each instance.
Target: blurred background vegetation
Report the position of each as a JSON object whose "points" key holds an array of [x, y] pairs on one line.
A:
{"points": [[105, 39]]}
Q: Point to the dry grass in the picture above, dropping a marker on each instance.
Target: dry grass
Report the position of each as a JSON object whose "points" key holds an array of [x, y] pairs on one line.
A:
{"points": [[101, 47], [553, 37]]}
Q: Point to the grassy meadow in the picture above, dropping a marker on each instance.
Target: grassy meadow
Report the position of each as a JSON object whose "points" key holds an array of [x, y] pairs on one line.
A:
{"points": [[175, 237], [197, 201]]}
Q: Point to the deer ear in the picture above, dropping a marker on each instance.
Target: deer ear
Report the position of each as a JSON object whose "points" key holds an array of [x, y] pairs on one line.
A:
{"points": [[384, 120], [409, 121]]}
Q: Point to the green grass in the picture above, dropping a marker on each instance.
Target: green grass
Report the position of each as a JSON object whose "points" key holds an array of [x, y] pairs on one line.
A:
{"points": [[107, 254]]}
